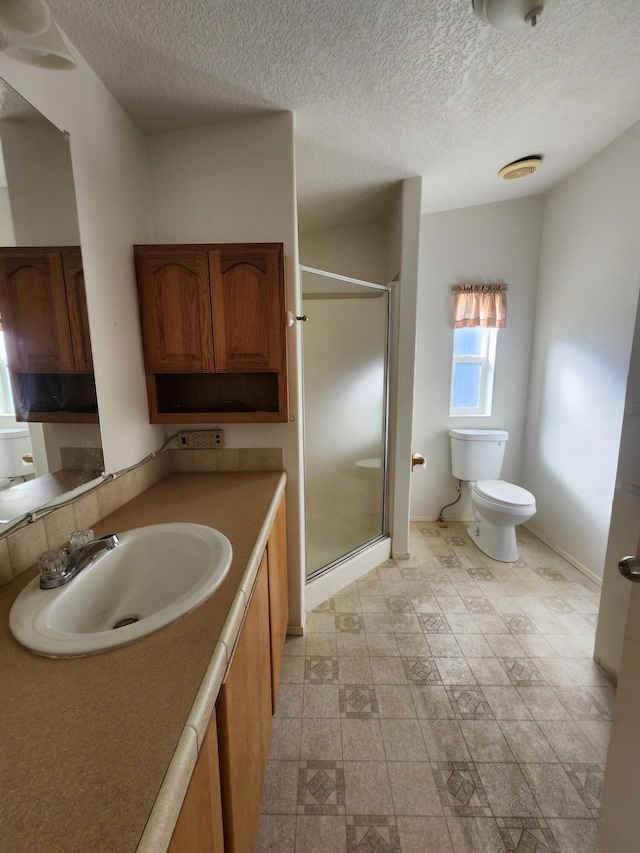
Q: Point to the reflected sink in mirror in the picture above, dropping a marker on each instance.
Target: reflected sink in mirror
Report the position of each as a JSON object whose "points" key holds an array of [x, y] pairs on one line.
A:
{"points": [[153, 576]]}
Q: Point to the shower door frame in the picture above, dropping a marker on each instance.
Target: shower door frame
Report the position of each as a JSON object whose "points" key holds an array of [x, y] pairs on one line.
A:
{"points": [[384, 515]]}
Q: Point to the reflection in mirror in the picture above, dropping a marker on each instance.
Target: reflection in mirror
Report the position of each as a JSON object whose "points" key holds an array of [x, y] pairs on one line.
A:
{"points": [[49, 431]]}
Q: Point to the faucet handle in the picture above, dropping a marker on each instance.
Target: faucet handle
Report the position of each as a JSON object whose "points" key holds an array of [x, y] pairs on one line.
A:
{"points": [[79, 538], [52, 565]]}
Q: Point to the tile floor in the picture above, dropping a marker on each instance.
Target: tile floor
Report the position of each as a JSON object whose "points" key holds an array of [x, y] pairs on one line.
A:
{"points": [[446, 703]]}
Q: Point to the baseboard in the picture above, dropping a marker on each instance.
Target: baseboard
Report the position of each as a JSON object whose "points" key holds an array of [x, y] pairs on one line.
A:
{"points": [[565, 555], [295, 631], [322, 588]]}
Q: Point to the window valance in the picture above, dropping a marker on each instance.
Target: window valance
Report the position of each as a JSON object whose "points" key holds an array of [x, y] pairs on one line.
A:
{"points": [[479, 305]]}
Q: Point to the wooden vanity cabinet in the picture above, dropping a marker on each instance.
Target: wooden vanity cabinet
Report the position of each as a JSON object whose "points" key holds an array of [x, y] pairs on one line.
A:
{"points": [[221, 810], [44, 318], [213, 329], [278, 597], [199, 826], [243, 713]]}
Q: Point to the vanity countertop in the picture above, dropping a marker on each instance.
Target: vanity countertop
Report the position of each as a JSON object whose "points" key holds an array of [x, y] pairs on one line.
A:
{"points": [[86, 743]]}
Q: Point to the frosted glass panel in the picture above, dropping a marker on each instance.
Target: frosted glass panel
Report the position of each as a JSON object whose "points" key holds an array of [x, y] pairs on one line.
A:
{"points": [[345, 373]]}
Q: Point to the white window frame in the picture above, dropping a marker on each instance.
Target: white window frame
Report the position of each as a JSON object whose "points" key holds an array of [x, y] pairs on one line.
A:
{"points": [[487, 360]]}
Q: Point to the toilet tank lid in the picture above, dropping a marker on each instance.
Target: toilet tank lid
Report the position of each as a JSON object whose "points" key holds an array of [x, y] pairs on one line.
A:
{"points": [[14, 432], [479, 434]]}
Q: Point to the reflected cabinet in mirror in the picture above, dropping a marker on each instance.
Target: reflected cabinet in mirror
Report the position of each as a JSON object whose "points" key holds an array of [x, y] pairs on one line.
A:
{"points": [[49, 431]]}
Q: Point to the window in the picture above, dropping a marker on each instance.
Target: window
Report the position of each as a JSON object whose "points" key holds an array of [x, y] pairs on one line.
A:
{"points": [[474, 356]]}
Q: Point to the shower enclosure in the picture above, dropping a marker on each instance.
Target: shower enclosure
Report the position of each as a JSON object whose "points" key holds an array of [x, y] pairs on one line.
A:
{"points": [[345, 403]]}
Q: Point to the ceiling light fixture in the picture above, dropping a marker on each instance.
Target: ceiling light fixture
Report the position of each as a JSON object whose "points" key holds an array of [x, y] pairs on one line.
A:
{"points": [[28, 34], [520, 168], [511, 15]]}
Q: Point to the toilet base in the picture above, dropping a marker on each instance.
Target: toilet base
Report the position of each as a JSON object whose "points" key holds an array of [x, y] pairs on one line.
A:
{"points": [[497, 542]]}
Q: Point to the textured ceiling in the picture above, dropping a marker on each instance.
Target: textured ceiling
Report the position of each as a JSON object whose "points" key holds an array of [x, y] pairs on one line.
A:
{"points": [[381, 90]]}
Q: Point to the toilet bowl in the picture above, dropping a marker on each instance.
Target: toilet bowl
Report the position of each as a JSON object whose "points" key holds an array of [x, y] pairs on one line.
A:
{"points": [[498, 507]]}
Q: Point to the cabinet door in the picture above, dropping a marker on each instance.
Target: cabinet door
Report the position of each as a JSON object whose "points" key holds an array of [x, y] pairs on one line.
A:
{"points": [[278, 597], [199, 826], [175, 308], [243, 712], [78, 316], [33, 306], [247, 289]]}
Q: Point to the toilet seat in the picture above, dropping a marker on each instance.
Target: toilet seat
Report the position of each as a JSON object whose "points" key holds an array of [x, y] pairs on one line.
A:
{"points": [[506, 494]]}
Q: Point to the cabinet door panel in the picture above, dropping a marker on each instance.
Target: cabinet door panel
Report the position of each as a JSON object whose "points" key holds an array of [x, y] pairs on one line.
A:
{"points": [[175, 306], [243, 713], [278, 597], [247, 295], [199, 826], [78, 316], [33, 305]]}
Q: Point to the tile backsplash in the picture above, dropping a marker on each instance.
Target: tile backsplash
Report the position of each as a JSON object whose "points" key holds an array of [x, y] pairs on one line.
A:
{"points": [[20, 550]]}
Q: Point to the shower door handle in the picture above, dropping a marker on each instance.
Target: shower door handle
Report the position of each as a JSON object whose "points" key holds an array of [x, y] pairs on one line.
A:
{"points": [[630, 568]]}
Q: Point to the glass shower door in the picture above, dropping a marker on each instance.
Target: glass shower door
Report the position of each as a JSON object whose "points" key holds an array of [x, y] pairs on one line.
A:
{"points": [[345, 403]]}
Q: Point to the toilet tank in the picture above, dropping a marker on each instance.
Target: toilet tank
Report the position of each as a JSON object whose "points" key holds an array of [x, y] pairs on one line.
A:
{"points": [[477, 454], [14, 444]]}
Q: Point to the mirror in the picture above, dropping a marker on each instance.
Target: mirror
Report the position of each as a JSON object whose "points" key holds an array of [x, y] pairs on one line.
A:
{"points": [[49, 431]]}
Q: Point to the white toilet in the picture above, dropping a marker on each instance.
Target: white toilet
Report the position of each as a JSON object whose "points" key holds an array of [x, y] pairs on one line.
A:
{"points": [[476, 457], [14, 444]]}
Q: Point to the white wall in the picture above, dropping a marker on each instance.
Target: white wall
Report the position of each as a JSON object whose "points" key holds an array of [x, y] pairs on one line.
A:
{"points": [[7, 232], [110, 173], [490, 243], [587, 295], [357, 252], [235, 182]]}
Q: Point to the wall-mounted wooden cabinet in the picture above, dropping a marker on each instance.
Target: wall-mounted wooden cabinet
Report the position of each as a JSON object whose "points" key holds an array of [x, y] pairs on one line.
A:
{"points": [[213, 329], [44, 318]]}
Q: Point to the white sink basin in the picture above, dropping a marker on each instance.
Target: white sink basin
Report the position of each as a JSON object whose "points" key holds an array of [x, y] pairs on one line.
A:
{"points": [[155, 575]]}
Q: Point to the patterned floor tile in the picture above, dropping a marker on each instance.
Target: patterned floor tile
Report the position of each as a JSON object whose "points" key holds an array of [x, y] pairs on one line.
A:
{"points": [[582, 704], [588, 780], [477, 604], [448, 562], [519, 624], [460, 789], [527, 835], [399, 604], [421, 670], [522, 672], [479, 573], [430, 532], [369, 833], [469, 703], [412, 573], [550, 575], [321, 669], [434, 623], [349, 623], [321, 788], [358, 701], [557, 605]]}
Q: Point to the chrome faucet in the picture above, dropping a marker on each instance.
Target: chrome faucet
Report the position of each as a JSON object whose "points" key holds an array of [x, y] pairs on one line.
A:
{"points": [[66, 564]]}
